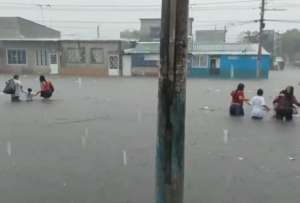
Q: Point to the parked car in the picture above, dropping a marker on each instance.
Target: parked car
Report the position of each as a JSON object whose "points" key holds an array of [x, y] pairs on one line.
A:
{"points": [[279, 63]]}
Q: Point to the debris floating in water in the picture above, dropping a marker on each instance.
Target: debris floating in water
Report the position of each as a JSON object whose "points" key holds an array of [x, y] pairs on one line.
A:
{"points": [[241, 158], [292, 158], [207, 108]]}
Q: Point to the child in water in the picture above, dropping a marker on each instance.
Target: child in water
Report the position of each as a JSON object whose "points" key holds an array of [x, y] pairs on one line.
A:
{"points": [[259, 106], [29, 95]]}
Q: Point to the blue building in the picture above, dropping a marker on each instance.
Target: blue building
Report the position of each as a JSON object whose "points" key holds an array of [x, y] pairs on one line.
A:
{"points": [[228, 61], [205, 61]]}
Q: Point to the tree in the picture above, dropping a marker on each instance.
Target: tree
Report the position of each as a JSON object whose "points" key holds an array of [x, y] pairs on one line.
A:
{"points": [[130, 34], [291, 44], [249, 37], [268, 39]]}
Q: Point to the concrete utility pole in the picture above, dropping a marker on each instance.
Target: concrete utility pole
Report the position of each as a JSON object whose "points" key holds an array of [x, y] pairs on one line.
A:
{"points": [[172, 98], [261, 30]]}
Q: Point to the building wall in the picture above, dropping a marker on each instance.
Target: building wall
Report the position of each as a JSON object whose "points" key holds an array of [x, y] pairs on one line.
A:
{"points": [[87, 67], [234, 66], [31, 66], [141, 66], [211, 36], [147, 24]]}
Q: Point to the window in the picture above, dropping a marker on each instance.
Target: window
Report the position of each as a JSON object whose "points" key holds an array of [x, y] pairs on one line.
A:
{"points": [[53, 59], [97, 56], [200, 61], [42, 57], [16, 56], [114, 62], [76, 55]]}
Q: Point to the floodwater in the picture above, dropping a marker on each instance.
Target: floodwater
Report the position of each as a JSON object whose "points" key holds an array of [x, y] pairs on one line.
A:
{"points": [[95, 142]]}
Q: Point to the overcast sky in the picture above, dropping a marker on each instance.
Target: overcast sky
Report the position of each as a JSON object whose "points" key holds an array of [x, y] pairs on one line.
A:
{"points": [[82, 20]]}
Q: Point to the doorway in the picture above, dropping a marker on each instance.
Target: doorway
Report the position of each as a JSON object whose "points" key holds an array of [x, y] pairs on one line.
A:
{"points": [[214, 65]]}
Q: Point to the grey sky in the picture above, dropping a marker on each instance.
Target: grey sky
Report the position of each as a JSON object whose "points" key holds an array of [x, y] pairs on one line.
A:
{"points": [[208, 14]]}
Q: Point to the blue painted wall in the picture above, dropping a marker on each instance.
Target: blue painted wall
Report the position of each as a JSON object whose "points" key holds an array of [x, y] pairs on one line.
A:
{"points": [[241, 66]]}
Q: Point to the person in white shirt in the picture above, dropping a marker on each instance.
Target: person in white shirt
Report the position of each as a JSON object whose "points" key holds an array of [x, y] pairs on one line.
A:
{"points": [[259, 106], [18, 89]]}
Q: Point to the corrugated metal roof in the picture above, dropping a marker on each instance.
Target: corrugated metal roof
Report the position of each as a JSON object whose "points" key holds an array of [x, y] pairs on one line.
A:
{"points": [[211, 49], [228, 49], [20, 28], [32, 40]]}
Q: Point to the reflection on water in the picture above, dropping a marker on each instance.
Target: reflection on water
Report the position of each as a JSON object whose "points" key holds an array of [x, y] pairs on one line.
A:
{"points": [[90, 143]]}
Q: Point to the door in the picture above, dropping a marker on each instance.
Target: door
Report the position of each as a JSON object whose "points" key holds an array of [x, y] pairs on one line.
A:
{"points": [[127, 65], [113, 65], [53, 64], [214, 66]]}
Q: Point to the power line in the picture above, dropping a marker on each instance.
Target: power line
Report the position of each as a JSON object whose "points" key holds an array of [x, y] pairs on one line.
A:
{"points": [[138, 22], [126, 6], [90, 9], [283, 21]]}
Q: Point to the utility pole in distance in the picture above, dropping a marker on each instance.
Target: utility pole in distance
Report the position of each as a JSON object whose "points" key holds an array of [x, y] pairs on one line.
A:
{"points": [[261, 30], [172, 99]]}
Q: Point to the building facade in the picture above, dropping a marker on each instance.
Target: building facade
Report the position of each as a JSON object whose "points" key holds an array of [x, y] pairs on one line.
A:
{"points": [[205, 61], [92, 57], [151, 28], [28, 47], [29, 56], [210, 36], [31, 48], [143, 60]]}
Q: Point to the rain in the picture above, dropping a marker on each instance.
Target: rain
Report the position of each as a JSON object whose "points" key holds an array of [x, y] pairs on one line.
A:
{"points": [[141, 111]]}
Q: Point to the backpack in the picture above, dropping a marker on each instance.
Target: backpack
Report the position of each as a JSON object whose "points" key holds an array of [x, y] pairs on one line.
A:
{"points": [[10, 87]]}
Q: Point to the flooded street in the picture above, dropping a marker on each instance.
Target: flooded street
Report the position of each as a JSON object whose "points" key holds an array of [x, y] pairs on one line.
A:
{"points": [[95, 142]]}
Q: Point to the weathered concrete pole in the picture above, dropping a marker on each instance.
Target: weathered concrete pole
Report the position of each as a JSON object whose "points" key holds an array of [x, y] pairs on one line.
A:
{"points": [[261, 31], [171, 107]]}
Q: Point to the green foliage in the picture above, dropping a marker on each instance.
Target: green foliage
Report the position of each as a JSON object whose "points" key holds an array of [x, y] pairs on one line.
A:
{"points": [[291, 44]]}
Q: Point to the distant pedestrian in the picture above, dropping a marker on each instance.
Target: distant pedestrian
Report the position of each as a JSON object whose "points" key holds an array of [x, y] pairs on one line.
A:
{"points": [[285, 103], [47, 88], [259, 106], [238, 99], [18, 89]]}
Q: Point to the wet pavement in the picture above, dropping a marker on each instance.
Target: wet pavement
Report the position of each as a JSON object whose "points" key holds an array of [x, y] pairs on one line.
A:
{"points": [[95, 142]]}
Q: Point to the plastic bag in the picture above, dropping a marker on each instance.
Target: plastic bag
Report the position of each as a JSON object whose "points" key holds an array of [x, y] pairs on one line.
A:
{"points": [[10, 87]]}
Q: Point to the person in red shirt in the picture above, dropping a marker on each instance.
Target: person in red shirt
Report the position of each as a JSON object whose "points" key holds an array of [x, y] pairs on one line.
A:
{"points": [[47, 88], [237, 102]]}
